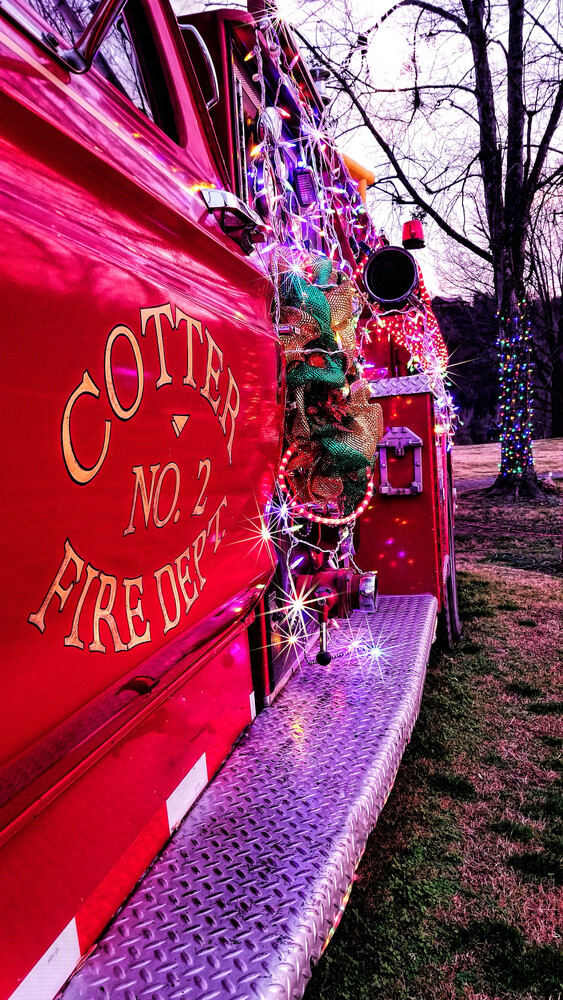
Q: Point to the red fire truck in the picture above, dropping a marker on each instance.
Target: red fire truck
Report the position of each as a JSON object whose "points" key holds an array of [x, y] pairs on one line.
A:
{"points": [[204, 344]]}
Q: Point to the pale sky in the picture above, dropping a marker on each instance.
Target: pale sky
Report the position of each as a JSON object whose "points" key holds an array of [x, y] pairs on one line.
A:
{"points": [[389, 56], [440, 57]]}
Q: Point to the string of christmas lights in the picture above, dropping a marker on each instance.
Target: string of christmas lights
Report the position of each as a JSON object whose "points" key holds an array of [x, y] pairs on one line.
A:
{"points": [[415, 327], [300, 510], [514, 347], [311, 206]]}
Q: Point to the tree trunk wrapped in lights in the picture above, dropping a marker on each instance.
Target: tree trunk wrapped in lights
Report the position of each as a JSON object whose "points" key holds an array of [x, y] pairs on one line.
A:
{"points": [[514, 343]]}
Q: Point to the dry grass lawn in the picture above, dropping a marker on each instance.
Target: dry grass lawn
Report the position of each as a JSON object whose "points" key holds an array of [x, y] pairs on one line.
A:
{"points": [[474, 461], [460, 892]]}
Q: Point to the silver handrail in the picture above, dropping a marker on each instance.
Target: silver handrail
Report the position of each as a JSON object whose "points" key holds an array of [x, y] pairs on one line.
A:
{"points": [[210, 65]]}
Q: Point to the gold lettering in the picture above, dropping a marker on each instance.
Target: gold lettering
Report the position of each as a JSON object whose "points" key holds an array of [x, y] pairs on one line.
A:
{"points": [[118, 409], [105, 614], [159, 522], [212, 372], [198, 551], [191, 325], [79, 472], [62, 592], [205, 463], [185, 577], [218, 533], [230, 411], [136, 612], [74, 639], [146, 501], [168, 621], [156, 313]]}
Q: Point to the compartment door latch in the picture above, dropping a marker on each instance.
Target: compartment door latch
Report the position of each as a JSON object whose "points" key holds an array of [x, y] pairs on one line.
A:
{"points": [[400, 438]]}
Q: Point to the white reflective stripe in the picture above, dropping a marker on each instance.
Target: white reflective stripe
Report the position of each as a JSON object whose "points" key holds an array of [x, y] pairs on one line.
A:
{"points": [[52, 971], [186, 793], [252, 705]]}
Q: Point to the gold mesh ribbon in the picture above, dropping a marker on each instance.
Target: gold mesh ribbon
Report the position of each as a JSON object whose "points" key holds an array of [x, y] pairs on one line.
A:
{"points": [[309, 481], [344, 309], [367, 424], [319, 471]]}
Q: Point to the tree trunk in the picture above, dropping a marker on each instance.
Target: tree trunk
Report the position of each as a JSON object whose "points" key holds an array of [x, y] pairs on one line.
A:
{"points": [[517, 474], [515, 409], [557, 376]]}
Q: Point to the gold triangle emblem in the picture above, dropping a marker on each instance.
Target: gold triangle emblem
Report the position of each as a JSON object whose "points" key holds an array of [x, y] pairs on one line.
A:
{"points": [[179, 421]]}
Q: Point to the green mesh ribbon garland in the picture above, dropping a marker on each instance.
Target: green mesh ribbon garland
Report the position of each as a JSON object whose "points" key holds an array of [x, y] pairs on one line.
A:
{"points": [[317, 377], [330, 376], [297, 292]]}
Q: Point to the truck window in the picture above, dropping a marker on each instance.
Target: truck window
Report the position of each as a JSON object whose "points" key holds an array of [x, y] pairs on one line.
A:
{"points": [[128, 57]]}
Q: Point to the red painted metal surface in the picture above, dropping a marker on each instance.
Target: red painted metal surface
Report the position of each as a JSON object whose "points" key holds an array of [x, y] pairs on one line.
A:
{"points": [[142, 418], [83, 853], [400, 535], [136, 332]]}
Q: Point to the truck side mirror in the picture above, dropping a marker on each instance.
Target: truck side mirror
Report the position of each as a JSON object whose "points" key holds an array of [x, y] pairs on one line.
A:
{"points": [[81, 56]]}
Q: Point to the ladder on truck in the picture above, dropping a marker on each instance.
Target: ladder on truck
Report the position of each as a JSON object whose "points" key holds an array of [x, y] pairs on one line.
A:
{"points": [[242, 900]]}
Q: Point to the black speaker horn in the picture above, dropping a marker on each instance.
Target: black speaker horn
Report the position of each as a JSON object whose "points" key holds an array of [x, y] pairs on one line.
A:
{"points": [[390, 275]]}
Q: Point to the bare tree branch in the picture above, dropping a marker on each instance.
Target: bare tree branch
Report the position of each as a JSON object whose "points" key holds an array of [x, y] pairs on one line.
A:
{"points": [[543, 28], [543, 148], [431, 8], [415, 195]]}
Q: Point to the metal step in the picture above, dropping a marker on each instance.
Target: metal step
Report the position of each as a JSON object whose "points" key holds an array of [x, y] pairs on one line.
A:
{"points": [[242, 900]]}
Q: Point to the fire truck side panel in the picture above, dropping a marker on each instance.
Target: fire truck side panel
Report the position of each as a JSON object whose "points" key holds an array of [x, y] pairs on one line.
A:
{"points": [[142, 419], [141, 408]]}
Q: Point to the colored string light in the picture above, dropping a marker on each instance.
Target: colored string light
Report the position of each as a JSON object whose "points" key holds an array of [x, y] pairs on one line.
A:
{"points": [[300, 510], [515, 372]]}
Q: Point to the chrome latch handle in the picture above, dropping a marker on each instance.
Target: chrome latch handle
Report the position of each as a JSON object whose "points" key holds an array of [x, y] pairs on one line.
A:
{"points": [[236, 219], [399, 438]]}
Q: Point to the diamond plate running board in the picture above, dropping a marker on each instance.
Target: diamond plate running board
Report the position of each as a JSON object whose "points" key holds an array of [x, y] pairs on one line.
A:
{"points": [[243, 898]]}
